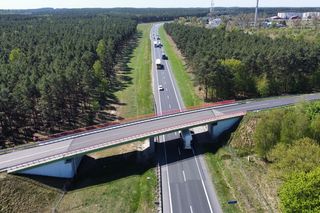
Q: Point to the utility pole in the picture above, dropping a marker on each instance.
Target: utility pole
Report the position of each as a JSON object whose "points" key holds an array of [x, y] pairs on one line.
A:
{"points": [[212, 8], [256, 15]]}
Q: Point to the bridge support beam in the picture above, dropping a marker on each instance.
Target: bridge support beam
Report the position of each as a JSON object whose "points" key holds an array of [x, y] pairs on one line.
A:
{"points": [[61, 169], [219, 127]]}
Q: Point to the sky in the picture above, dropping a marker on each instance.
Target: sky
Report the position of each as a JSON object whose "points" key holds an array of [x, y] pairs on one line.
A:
{"points": [[31, 4]]}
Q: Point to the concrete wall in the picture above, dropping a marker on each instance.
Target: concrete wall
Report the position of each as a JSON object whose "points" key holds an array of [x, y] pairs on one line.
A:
{"points": [[147, 150], [61, 169], [216, 129]]}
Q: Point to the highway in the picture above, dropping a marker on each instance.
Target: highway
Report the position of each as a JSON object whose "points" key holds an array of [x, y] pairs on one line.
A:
{"points": [[186, 188]]}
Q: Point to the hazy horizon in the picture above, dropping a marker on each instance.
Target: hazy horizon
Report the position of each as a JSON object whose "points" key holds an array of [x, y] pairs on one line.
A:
{"points": [[76, 4]]}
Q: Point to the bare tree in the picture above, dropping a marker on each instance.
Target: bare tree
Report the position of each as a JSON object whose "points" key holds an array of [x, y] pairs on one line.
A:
{"points": [[296, 23], [315, 21], [243, 20]]}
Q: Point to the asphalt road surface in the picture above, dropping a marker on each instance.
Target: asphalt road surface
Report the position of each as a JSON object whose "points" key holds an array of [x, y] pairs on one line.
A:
{"points": [[185, 186]]}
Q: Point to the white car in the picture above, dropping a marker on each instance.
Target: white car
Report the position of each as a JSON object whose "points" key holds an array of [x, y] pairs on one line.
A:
{"points": [[160, 88]]}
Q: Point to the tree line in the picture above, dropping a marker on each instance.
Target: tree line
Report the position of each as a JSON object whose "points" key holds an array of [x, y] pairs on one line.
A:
{"points": [[241, 65], [289, 139], [57, 72], [138, 14]]}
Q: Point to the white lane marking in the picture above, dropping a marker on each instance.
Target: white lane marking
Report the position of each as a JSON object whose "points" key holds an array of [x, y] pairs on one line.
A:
{"points": [[160, 108], [204, 187], [168, 179], [165, 154], [184, 176], [191, 211], [179, 151], [168, 96], [37, 153], [169, 106], [174, 88]]}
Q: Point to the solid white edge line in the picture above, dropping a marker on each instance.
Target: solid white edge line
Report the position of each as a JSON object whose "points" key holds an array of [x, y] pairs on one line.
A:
{"points": [[157, 79], [168, 178], [173, 85], [165, 151], [204, 187], [33, 154]]}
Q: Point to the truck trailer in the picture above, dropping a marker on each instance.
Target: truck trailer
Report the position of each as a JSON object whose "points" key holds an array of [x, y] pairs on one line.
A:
{"points": [[186, 136], [159, 64]]}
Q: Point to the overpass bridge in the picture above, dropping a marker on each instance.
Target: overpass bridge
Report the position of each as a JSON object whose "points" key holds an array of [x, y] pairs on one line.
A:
{"points": [[60, 157]]}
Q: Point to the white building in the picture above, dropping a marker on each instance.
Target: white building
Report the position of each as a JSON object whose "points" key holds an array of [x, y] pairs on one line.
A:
{"points": [[288, 15], [310, 15], [213, 23]]}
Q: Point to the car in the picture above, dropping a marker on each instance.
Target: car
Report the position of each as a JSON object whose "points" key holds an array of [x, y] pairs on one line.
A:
{"points": [[160, 88], [164, 56]]}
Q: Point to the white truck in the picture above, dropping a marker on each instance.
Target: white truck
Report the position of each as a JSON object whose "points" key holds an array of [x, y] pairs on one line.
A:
{"points": [[186, 136], [159, 64]]}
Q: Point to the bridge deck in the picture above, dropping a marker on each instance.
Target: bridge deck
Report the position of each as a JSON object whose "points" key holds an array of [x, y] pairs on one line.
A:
{"points": [[105, 138], [82, 143]]}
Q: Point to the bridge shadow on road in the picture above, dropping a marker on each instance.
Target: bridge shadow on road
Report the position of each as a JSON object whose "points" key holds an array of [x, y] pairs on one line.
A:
{"points": [[202, 144]]}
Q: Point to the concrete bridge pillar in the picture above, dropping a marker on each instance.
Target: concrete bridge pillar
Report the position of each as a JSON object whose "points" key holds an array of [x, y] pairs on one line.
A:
{"points": [[219, 127], [147, 150], [66, 168]]}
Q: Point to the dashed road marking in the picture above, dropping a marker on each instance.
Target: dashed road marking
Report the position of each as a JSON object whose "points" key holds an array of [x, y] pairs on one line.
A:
{"points": [[184, 176]]}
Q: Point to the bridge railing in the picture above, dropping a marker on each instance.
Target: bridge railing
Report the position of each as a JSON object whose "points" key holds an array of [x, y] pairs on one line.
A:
{"points": [[53, 137], [68, 154]]}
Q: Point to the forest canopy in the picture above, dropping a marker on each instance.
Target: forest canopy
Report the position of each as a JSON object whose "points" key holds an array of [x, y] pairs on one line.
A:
{"points": [[57, 72], [241, 65]]}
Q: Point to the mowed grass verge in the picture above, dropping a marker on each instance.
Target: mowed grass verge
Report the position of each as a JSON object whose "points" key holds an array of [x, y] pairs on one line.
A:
{"points": [[235, 178], [183, 79], [137, 96], [20, 194], [114, 186], [114, 182]]}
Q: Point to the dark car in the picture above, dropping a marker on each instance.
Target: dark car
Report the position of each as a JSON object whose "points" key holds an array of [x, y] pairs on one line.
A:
{"points": [[164, 56]]}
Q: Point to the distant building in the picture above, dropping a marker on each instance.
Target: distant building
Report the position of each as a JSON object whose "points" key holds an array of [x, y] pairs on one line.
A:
{"points": [[213, 23], [289, 15], [310, 15]]}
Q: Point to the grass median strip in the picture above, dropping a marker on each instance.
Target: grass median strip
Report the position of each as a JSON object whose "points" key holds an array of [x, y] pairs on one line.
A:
{"points": [[182, 78]]}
